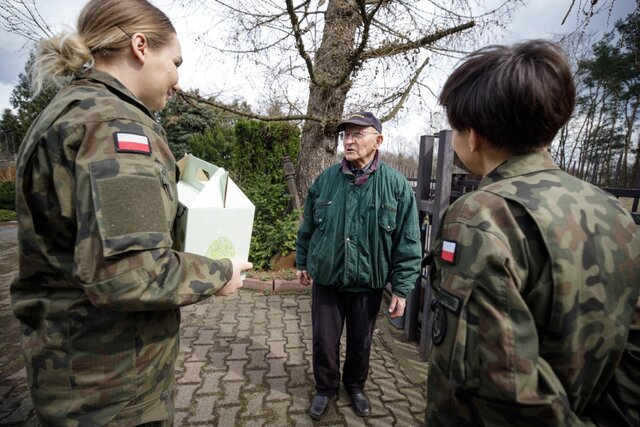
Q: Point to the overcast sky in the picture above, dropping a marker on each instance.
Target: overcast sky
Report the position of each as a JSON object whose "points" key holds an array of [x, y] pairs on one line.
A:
{"points": [[539, 19]]}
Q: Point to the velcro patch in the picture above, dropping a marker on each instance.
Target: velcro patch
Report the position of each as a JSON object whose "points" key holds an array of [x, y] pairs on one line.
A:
{"points": [[132, 143], [439, 323], [449, 301], [448, 254]]}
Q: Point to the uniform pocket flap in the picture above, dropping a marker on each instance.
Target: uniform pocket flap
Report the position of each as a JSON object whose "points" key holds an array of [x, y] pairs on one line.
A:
{"points": [[130, 208]]}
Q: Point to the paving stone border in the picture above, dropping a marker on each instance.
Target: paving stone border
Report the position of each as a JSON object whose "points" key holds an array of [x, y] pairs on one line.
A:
{"points": [[244, 360]]}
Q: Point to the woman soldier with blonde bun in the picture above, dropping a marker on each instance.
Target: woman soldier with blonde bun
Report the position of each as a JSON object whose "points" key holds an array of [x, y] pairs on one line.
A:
{"points": [[99, 287]]}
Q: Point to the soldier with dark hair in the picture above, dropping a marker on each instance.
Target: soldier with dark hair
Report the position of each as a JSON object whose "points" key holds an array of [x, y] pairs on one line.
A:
{"points": [[99, 287], [536, 317]]}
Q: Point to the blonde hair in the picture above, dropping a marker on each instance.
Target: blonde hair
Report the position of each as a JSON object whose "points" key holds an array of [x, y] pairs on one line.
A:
{"points": [[104, 29]]}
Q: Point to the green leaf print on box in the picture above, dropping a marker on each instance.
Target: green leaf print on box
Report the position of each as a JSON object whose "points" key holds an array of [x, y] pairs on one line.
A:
{"points": [[221, 248]]}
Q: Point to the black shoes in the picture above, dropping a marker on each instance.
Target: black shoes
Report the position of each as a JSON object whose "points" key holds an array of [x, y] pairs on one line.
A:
{"points": [[361, 404], [319, 406]]}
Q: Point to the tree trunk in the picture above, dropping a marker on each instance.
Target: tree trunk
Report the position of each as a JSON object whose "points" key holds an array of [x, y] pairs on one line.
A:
{"points": [[318, 140], [629, 122], [327, 94], [635, 169]]}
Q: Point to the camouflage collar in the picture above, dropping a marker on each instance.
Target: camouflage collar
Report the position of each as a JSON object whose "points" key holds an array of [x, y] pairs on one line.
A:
{"points": [[520, 165], [115, 86]]}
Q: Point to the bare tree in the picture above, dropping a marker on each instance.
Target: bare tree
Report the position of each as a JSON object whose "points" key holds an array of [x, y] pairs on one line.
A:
{"points": [[320, 59], [330, 58]]}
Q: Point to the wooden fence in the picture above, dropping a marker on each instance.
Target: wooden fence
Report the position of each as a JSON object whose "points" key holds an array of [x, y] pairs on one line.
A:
{"points": [[7, 170]]}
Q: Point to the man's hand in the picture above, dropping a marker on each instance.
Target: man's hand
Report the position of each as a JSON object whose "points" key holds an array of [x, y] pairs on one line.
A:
{"points": [[396, 306], [236, 280], [303, 277]]}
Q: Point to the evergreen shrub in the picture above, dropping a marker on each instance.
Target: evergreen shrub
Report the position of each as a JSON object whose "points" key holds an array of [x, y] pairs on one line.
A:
{"points": [[8, 195]]}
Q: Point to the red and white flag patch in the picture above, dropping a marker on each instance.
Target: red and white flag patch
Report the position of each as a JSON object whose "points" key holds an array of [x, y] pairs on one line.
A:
{"points": [[132, 143], [448, 251]]}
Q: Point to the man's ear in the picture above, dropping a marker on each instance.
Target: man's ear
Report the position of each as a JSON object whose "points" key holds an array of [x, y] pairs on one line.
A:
{"points": [[475, 141], [139, 46], [379, 140]]}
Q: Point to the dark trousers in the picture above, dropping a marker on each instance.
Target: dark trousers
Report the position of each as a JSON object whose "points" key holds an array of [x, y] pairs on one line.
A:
{"points": [[331, 309]]}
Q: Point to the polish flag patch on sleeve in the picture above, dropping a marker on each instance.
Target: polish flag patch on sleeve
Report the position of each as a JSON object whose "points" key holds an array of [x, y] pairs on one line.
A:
{"points": [[132, 143], [448, 251]]}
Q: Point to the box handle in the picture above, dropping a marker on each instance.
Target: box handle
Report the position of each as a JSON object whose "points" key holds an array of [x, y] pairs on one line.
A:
{"points": [[190, 174]]}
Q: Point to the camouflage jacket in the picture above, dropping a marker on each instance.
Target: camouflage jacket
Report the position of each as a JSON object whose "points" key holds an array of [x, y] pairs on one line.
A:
{"points": [[536, 278], [99, 286]]}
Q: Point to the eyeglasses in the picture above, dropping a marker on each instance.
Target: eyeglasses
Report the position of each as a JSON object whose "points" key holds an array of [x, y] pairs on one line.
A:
{"points": [[356, 136]]}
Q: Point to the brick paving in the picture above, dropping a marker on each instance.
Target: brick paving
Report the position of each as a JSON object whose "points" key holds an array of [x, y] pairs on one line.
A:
{"points": [[245, 360]]}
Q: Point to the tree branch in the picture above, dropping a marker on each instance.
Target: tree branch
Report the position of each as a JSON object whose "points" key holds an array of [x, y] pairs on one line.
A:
{"points": [[249, 51], [405, 93], [573, 2], [193, 100], [366, 24], [299, 42], [391, 49], [21, 17], [37, 19]]}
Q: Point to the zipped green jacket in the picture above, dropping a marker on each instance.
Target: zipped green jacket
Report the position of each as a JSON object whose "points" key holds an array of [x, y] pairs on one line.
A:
{"points": [[360, 238]]}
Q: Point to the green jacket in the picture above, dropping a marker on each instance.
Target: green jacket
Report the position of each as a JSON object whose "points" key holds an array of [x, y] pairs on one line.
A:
{"points": [[99, 286], [360, 237], [536, 277]]}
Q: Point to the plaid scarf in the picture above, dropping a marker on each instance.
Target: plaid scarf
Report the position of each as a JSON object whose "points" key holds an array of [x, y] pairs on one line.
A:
{"points": [[362, 175]]}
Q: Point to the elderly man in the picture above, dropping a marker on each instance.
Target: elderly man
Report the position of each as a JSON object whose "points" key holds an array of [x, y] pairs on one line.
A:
{"points": [[360, 231]]}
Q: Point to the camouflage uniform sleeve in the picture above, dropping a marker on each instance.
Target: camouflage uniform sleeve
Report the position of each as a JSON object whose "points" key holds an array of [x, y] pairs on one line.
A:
{"points": [[407, 251], [620, 403], [126, 204], [627, 377], [485, 362]]}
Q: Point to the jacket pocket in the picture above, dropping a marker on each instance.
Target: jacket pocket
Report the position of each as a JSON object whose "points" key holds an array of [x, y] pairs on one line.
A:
{"points": [[387, 216], [321, 213], [319, 260]]}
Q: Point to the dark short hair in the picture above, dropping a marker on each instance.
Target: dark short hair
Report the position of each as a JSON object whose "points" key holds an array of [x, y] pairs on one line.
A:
{"points": [[517, 97]]}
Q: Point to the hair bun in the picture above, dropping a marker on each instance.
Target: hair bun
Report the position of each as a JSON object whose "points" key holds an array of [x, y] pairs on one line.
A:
{"points": [[59, 59]]}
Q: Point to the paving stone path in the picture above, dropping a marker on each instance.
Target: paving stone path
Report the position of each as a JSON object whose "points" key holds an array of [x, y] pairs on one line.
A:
{"points": [[245, 360]]}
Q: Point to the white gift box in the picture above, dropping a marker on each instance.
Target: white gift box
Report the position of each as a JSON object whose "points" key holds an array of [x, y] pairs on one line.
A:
{"points": [[215, 218]]}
